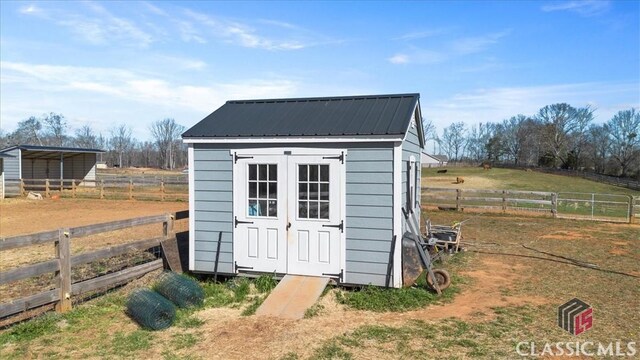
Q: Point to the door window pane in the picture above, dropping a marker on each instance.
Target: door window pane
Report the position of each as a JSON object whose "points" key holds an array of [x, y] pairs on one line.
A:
{"points": [[302, 172], [262, 187], [313, 172], [324, 192], [302, 209], [253, 189], [313, 191], [262, 194], [273, 190], [313, 209], [263, 172], [302, 191], [324, 210], [324, 172]]}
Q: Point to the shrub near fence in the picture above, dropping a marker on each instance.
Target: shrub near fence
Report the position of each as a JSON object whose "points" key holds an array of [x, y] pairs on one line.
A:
{"points": [[604, 207]]}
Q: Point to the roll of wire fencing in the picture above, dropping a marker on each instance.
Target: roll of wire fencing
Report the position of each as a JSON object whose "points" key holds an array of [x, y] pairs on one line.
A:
{"points": [[150, 309], [181, 290]]}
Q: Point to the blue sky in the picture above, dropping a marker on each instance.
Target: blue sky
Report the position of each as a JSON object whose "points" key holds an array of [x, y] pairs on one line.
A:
{"points": [[105, 63]]}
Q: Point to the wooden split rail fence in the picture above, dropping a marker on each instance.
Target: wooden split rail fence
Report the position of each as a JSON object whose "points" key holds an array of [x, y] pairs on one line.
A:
{"points": [[64, 261], [600, 207], [129, 189]]}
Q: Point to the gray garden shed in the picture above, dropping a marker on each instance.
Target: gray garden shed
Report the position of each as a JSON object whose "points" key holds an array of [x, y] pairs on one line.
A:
{"points": [[310, 186]]}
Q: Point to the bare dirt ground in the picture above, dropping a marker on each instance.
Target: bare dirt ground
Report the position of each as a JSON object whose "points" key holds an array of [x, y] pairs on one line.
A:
{"points": [[21, 216], [225, 331]]}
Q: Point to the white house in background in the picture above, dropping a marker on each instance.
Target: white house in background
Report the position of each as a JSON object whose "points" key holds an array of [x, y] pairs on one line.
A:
{"points": [[430, 161]]}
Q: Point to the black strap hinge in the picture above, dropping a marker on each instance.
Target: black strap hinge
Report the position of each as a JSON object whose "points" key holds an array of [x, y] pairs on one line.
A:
{"points": [[339, 157], [236, 222], [236, 157], [238, 267], [339, 275], [340, 226]]}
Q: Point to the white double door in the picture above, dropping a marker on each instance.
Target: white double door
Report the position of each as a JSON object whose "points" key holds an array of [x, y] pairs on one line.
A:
{"points": [[288, 214]]}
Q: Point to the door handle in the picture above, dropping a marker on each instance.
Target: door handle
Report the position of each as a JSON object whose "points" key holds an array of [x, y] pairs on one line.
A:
{"points": [[241, 222], [340, 226], [288, 226]]}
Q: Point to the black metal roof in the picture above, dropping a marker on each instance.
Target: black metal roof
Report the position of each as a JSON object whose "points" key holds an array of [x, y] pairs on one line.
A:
{"points": [[322, 116]]}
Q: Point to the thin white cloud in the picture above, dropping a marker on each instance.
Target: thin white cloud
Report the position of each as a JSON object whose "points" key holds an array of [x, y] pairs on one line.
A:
{"points": [[581, 7], [31, 9], [98, 27], [453, 49], [243, 35], [399, 59], [420, 34], [476, 44], [72, 89]]}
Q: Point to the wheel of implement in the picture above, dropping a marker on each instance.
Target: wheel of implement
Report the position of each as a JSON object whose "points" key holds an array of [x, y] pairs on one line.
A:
{"points": [[443, 278]]}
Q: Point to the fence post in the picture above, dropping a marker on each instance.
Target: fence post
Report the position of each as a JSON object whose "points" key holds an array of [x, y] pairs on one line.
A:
{"points": [[73, 188], [554, 205], [167, 226], [22, 191], [46, 187], [130, 189], [161, 190], [504, 201], [458, 196], [101, 189], [631, 209], [63, 254]]}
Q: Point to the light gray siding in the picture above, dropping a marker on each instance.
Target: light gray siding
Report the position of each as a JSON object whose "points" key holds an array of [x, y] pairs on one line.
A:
{"points": [[12, 173], [369, 217], [213, 213], [1, 178], [411, 147]]}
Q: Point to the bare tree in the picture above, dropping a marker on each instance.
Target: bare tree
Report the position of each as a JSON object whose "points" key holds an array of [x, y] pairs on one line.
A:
{"points": [[165, 133], [121, 142], [624, 132], [563, 132], [453, 140], [55, 128], [477, 140], [29, 131], [514, 137], [598, 147], [86, 138]]}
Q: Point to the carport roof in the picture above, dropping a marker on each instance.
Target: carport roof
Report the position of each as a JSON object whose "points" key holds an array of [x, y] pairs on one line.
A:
{"points": [[48, 152]]}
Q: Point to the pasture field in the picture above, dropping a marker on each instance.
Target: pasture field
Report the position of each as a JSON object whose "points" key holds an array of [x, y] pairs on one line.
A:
{"points": [[515, 179], [503, 294]]}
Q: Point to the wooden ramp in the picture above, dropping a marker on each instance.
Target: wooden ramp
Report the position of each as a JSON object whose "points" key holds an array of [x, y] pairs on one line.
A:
{"points": [[293, 296]]}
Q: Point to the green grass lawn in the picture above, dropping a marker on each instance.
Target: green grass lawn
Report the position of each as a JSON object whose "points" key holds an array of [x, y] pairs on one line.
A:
{"points": [[513, 179]]}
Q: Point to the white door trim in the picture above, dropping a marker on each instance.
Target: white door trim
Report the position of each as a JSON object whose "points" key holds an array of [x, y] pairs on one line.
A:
{"points": [[289, 151], [285, 151], [192, 208], [397, 214]]}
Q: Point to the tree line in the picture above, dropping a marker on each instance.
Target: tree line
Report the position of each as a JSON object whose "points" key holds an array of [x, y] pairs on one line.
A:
{"points": [[164, 149], [558, 136]]}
